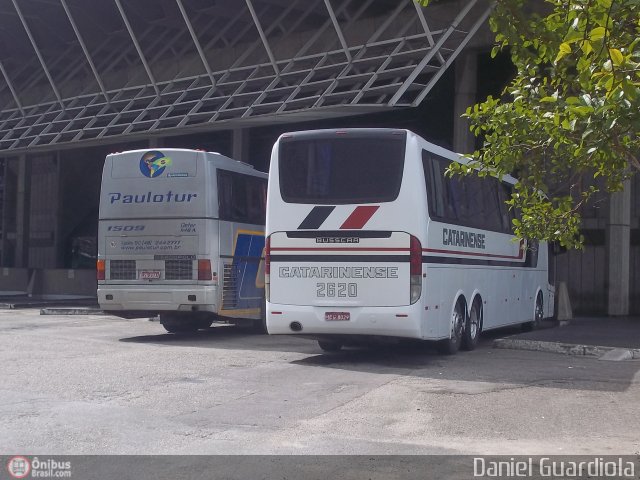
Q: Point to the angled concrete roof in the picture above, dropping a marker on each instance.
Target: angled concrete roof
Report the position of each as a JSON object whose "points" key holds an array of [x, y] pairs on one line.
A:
{"points": [[96, 70]]}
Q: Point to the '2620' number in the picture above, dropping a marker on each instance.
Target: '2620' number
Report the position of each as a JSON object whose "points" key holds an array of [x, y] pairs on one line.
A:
{"points": [[340, 290]]}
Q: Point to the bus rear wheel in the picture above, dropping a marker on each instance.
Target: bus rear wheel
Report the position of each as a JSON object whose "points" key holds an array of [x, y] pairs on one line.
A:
{"points": [[328, 346], [183, 327], [184, 324], [452, 344], [473, 326]]}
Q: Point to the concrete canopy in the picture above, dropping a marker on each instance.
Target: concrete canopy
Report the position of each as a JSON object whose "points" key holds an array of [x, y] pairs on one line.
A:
{"points": [[94, 71]]}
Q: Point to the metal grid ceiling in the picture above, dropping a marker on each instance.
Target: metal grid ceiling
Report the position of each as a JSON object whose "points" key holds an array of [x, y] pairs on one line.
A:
{"points": [[93, 70]]}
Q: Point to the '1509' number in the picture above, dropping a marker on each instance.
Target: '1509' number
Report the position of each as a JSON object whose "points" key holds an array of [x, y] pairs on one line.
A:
{"points": [[340, 290], [125, 228]]}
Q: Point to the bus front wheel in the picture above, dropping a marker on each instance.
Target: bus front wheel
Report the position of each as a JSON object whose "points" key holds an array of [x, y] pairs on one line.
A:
{"points": [[538, 315], [451, 345]]}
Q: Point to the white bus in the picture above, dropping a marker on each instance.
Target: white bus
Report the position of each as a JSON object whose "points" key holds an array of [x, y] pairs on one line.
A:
{"points": [[181, 235], [367, 236]]}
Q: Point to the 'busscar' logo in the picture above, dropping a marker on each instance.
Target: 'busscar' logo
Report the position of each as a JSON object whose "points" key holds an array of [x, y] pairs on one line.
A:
{"points": [[337, 240]]}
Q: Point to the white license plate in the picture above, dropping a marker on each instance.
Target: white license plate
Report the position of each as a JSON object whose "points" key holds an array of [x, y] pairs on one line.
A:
{"points": [[337, 316], [149, 274]]}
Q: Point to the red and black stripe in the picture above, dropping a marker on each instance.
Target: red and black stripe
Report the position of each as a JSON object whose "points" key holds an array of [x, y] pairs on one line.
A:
{"points": [[357, 220], [316, 217]]}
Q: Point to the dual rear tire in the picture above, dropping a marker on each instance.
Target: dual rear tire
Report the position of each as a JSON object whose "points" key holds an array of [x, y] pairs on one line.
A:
{"points": [[465, 329]]}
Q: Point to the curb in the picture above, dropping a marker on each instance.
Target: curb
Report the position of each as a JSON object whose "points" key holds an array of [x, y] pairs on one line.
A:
{"points": [[71, 311], [564, 348]]}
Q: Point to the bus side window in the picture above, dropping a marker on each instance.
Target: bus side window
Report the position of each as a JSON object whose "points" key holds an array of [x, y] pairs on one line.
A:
{"points": [[434, 180], [225, 195], [476, 199], [505, 213], [241, 198], [491, 199], [446, 195], [257, 199], [509, 213]]}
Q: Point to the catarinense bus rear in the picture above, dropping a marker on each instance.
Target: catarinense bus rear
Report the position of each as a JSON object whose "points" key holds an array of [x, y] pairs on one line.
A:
{"points": [[367, 237]]}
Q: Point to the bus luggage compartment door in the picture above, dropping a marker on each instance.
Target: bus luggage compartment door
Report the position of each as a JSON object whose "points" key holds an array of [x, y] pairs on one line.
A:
{"points": [[340, 268]]}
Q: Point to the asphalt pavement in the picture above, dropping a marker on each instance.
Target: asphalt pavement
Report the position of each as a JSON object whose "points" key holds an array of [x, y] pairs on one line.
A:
{"points": [[97, 384], [612, 338]]}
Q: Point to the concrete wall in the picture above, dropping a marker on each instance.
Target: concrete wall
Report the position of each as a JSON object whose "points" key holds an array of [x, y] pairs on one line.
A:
{"points": [[65, 282], [14, 279]]}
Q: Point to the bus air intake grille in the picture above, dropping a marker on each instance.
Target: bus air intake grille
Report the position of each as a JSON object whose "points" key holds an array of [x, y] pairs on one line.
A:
{"points": [[122, 269], [178, 270], [229, 286]]}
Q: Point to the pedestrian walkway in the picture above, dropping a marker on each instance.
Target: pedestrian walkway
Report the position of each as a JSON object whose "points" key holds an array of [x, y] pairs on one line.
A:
{"points": [[34, 301], [614, 338]]}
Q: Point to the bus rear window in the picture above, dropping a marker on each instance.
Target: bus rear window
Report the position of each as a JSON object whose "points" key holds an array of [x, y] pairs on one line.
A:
{"points": [[341, 170]]}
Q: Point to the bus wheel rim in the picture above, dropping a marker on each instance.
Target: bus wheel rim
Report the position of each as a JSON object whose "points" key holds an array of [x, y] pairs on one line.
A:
{"points": [[539, 310], [457, 323], [474, 322]]}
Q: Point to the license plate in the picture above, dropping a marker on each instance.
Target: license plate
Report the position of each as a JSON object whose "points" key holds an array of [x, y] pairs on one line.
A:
{"points": [[337, 316], [149, 274]]}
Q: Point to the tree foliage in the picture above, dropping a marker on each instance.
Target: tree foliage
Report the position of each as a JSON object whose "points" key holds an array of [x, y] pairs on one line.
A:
{"points": [[570, 114]]}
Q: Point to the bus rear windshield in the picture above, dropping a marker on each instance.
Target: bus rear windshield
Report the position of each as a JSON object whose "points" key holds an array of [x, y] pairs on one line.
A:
{"points": [[341, 170]]}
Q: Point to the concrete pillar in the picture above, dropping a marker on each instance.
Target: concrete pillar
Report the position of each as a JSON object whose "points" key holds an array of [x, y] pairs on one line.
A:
{"points": [[466, 68], [23, 208], [240, 144], [619, 236]]}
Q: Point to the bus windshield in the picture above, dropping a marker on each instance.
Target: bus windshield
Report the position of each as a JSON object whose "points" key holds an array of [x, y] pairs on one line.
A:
{"points": [[342, 170]]}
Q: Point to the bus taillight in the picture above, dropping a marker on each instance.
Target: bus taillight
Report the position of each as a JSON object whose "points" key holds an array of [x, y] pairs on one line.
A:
{"points": [[100, 268], [204, 269], [415, 268], [267, 266]]}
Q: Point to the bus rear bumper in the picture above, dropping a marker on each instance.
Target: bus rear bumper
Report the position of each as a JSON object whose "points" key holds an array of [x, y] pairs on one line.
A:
{"points": [[404, 321], [159, 298]]}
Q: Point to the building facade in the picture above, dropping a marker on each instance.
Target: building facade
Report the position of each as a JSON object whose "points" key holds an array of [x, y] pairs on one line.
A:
{"points": [[81, 79]]}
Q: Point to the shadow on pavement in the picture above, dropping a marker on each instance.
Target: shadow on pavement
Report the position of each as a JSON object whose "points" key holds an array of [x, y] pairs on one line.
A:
{"points": [[484, 365], [228, 337]]}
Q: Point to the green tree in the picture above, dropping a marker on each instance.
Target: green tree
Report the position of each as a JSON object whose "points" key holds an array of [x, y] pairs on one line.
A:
{"points": [[570, 114]]}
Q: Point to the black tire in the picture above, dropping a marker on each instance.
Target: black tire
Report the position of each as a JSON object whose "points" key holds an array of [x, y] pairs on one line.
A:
{"points": [[260, 325], [329, 346], [204, 323], [452, 344], [472, 326], [538, 315], [185, 327], [180, 323]]}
